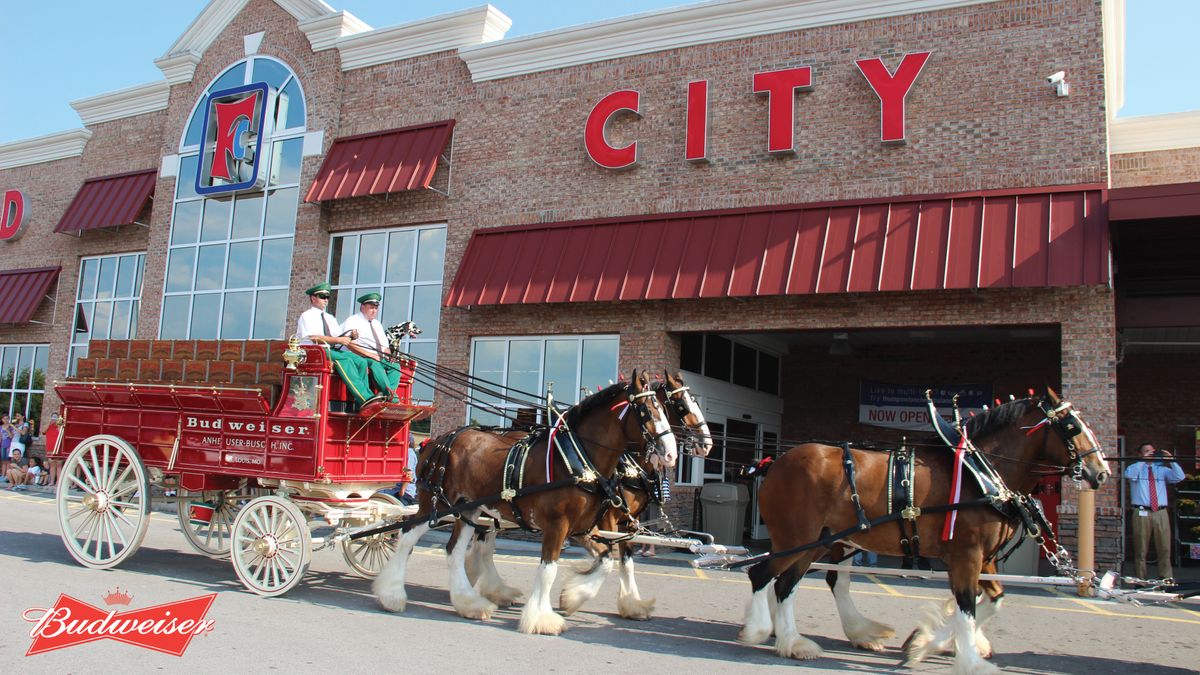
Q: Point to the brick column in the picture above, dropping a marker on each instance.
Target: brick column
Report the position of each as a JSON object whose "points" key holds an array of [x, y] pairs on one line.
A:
{"points": [[1089, 380]]}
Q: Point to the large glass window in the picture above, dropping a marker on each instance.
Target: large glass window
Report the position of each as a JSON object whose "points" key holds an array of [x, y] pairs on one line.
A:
{"points": [[23, 380], [404, 265], [573, 363], [229, 260], [106, 301]]}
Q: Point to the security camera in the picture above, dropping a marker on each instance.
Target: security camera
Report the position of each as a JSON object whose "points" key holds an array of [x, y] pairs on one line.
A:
{"points": [[1056, 77], [1057, 80]]}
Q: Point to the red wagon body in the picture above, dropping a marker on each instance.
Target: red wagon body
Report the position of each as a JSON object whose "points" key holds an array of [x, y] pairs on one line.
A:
{"points": [[222, 426]]}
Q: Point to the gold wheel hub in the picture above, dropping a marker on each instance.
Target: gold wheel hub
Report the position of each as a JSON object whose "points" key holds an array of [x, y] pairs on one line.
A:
{"points": [[266, 546], [97, 502]]}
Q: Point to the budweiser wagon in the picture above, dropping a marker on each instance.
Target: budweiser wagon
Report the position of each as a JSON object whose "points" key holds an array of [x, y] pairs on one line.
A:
{"points": [[259, 441]]}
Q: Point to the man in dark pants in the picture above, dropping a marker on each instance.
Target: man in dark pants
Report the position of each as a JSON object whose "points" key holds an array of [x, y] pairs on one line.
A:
{"points": [[1148, 481]]}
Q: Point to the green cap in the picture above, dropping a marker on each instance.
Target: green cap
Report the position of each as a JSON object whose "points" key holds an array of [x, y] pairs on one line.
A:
{"points": [[368, 298], [319, 288]]}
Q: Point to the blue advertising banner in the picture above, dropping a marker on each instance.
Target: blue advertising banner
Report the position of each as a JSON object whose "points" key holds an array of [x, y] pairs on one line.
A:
{"points": [[902, 406]]}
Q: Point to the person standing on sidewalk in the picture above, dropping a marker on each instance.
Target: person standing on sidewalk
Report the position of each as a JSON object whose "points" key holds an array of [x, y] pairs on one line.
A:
{"points": [[1148, 481]]}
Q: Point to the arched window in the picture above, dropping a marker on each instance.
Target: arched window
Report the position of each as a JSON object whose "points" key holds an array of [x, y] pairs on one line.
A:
{"points": [[229, 258]]}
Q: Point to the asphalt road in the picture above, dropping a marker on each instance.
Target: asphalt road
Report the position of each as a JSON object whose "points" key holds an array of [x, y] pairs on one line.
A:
{"points": [[331, 622]]}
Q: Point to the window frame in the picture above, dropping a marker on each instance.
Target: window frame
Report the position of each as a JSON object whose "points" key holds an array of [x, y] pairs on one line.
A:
{"points": [[10, 389], [256, 288], [411, 284], [543, 339], [74, 346]]}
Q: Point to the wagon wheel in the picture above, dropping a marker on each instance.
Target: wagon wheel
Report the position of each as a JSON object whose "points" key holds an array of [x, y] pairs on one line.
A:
{"points": [[368, 555], [213, 536], [103, 502], [271, 545]]}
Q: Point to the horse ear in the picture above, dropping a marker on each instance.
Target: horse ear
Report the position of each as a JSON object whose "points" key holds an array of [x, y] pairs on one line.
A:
{"points": [[1052, 395]]}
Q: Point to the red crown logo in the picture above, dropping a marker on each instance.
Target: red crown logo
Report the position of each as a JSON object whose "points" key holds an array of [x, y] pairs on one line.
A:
{"points": [[118, 597]]}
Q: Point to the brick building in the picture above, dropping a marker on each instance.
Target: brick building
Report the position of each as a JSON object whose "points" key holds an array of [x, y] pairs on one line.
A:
{"points": [[891, 193]]}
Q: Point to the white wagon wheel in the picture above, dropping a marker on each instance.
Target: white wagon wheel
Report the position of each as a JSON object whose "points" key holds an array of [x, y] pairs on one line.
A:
{"points": [[103, 502], [368, 555], [271, 545], [213, 537]]}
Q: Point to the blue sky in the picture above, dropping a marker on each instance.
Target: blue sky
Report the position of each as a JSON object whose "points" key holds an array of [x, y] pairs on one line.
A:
{"points": [[54, 52]]}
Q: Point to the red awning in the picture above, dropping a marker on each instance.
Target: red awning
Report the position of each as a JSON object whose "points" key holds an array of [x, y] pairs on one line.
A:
{"points": [[108, 201], [1047, 237], [21, 291], [1176, 200], [381, 162]]}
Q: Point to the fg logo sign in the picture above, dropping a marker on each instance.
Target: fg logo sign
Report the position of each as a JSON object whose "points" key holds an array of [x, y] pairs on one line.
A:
{"points": [[12, 214], [235, 123]]}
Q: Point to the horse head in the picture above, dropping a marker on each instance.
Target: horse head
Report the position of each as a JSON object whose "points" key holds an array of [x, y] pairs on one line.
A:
{"points": [[1078, 445], [652, 419], [1013, 429], [684, 411]]}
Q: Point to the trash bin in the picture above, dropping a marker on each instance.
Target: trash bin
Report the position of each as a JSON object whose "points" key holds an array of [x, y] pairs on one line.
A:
{"points": [[724, 506]]}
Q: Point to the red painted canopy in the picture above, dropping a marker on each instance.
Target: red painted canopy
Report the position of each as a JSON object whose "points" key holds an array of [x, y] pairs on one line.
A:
{"points": [[21, 291], [381, 162], [108, 200], [1044, 237]]}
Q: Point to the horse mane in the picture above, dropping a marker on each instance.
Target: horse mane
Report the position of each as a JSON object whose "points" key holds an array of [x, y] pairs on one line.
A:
{"points": [[596, 400], [998, 419]]}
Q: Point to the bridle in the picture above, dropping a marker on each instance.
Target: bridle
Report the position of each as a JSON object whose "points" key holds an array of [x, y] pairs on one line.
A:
{"points": [[640, 403], [1067, 425], [680, 406]]}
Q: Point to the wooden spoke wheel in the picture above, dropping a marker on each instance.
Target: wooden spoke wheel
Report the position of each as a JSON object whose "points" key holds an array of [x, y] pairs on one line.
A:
{"points": [[271, 545], [368, 555], [103, 502], [206, 518]]}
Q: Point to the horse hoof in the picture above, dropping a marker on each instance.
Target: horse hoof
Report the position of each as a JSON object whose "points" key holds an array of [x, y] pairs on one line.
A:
{"points": [[479, 609], [975, 668], [547, 623], [392, 602], [869, 646], [799, 647], [505, 596], [572, 598], [753, 637], [635, 608], [983, 646], [869, 635]]}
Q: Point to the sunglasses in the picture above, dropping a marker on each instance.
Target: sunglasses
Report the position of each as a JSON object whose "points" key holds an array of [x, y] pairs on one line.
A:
{"points": [[323, 296]]}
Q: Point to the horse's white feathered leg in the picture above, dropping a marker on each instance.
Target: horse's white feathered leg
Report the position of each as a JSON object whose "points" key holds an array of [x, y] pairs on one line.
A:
{"points": [[757, 626], [966, 659], [933, 632], [538, 616], [985, 610], [630, 604], [466, 600], [488, 580], [861, 631], [583, 584], [388, 587], [789, 643]]}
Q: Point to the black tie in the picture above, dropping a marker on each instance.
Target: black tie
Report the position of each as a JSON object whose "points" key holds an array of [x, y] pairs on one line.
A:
{"points": [[328, 328]]}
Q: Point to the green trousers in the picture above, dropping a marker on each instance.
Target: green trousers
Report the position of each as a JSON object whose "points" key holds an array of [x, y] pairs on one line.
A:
{"points": [[384, 375], [352, 368]]}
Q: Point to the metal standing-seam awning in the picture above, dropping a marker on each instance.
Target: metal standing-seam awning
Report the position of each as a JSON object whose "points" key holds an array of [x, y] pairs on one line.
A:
{"points": [[1030, 238], [21, 291], [381, 162], [108, 201]]}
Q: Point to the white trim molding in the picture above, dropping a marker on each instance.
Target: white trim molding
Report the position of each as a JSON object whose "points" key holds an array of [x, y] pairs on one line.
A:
{"points": [[1154, 132], [137, 100], [179, 63], [678, 27], [178, 68], [324, 32], [447, 32], [1114, 56], [46, 148]]}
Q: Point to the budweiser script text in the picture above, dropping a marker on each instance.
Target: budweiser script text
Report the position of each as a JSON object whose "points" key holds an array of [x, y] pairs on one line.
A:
{"points": [[165, 628]]}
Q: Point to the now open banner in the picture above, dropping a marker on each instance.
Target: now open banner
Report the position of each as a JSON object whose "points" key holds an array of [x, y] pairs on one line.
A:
{"points": [[902, 406]]}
